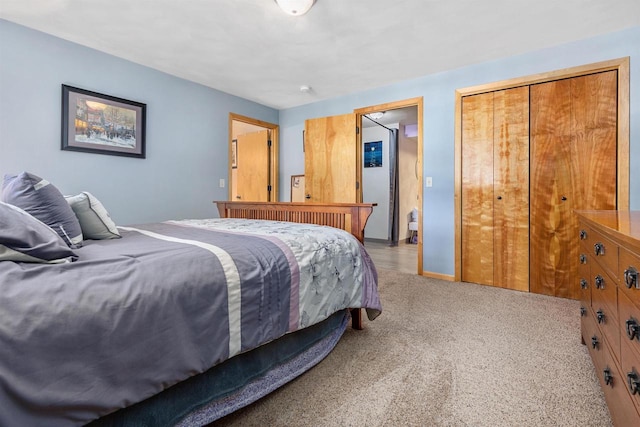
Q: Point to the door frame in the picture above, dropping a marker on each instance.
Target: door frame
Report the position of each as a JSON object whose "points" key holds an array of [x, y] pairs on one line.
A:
{"points": [[412, 102], [621, 65], [273, 162]]}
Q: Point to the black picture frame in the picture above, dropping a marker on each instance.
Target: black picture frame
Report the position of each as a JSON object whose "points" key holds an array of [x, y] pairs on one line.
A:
{"points": [[97, 123], [234, 154]]}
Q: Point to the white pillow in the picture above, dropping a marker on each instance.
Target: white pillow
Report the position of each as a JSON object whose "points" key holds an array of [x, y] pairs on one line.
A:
{"points": [[94, 219]]}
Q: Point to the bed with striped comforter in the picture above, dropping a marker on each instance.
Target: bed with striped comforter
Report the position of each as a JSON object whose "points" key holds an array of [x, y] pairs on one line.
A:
{"points": [[167, 301]]}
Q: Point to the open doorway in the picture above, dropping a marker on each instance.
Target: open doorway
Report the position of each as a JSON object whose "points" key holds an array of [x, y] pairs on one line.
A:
{"points": [[400, 249], [253, 159]]}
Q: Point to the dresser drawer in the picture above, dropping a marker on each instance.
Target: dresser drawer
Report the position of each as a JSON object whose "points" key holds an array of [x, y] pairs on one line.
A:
{"points": [[603, 290], [629, 322], [614, 383], [592, 337], [604, 251], [630, 364], [629, 274], [607, 322]]}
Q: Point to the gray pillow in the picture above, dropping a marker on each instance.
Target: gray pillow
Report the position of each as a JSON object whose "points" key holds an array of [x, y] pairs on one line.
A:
{"points": [[25, 239], [44, 201], [94, 219]]}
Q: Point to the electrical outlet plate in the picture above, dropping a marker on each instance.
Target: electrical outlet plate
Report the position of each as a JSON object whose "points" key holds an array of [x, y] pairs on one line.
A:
{"points": [[428, 181]]}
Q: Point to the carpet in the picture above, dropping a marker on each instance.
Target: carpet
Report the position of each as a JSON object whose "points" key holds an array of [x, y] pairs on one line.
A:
{"points": [[447, 354]]}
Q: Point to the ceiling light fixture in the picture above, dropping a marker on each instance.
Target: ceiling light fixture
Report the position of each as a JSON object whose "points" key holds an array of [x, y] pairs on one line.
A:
{"points": [[295, 7], [377, 115]]}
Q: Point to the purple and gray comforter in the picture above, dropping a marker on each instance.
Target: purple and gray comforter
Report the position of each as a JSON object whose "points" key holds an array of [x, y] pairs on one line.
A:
{"points": [[136, 315]]}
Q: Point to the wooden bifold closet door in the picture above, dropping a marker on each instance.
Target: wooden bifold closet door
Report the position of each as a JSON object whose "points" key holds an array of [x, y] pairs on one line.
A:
{"points": [[573, 167], [532, 155], [495, 188]]}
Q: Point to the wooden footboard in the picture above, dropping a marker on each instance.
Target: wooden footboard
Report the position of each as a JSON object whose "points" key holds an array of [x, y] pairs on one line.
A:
{"points": [[351, 217]]}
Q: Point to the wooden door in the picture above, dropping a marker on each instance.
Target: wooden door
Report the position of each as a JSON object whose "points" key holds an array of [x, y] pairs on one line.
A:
{"points": [[495, 188], [573, 166], [477, 189], [252, 171], [511, 188], [331, 160]]}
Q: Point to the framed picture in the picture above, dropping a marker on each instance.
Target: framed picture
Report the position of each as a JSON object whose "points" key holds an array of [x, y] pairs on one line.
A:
{"points": [[297, 188], [234, 154], [103, 124], [373, 154]]}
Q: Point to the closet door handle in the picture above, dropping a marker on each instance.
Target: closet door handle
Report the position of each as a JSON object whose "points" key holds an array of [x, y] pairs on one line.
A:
{"points": [[583, 235], [563, 198], [584, 284], [594, 342], [499, 197], [583, 259], [583, 311], [600, 316]]}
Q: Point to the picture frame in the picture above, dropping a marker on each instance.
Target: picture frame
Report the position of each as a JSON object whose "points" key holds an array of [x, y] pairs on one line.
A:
{"points": [[234, 154], [97, 123], [297, 188], [373, 154]]}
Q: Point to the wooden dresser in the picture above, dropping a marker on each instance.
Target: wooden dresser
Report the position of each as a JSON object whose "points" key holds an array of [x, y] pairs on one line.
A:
{"points": [[610, 306]]}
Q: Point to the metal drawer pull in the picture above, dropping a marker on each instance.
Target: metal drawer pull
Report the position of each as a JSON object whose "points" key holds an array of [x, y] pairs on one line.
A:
{"points": [[634, 382], [594, 342], [583, 235], [598, 248], [600, 316], [599, 282], [583, 311], [608, 378], [584, 284], [632, 329], [631, 277], [583, 259]]}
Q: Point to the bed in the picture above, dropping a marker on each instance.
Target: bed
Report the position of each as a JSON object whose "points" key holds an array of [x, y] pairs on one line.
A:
{"points": [[180, 322]]}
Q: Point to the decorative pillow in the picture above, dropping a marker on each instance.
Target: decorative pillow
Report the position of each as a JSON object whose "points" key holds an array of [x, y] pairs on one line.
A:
{"points": [[44, 201], [25, 239], [94, 219]]}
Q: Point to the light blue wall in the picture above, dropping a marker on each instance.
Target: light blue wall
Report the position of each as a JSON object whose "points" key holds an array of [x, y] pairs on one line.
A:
{"points": [[438, 92], [187, 129]]}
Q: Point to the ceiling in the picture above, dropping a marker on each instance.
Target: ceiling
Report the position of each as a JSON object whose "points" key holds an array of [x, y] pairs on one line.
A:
{"points": [[251, 49]]}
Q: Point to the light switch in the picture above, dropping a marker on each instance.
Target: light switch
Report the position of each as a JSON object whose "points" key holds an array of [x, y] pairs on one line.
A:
{"points": [[221, 182], [428, 181]]}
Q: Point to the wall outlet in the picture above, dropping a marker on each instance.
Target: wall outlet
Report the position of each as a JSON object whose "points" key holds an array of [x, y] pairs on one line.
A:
{"points": [[428, 181], [221, 182]]}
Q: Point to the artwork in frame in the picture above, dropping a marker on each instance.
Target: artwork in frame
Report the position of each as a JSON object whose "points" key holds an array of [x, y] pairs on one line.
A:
{"points": [[96, 123], [373, 154], [234, 154]]}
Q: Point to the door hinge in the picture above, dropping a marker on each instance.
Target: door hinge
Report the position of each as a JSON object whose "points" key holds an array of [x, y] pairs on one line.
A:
{"points": [[357, 185], [268, 143], [357, 130], [269, 188]]}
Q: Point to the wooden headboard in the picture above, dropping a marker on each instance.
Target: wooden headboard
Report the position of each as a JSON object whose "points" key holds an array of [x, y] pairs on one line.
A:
{"points": [[351, 217]]}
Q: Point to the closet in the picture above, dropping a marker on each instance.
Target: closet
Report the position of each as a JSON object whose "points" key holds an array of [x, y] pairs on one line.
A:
{"points": [[529, 156]]}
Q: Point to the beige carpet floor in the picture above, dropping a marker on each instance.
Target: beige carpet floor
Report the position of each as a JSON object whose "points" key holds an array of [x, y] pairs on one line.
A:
{"points": [[447, 354]]}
